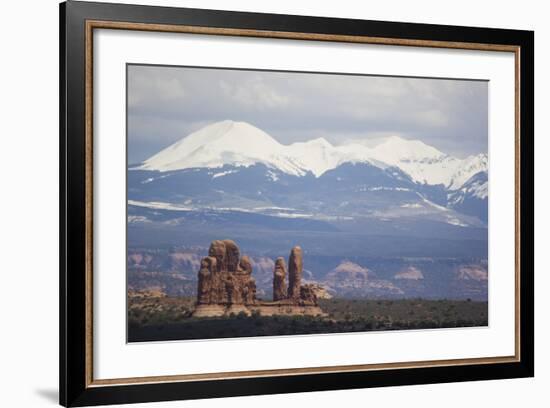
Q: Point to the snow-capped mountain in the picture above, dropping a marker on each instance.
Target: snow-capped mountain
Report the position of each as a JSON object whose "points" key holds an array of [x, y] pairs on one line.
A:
{"points": [[222, 143], [234, 166], [241, 144], [472, 197]]}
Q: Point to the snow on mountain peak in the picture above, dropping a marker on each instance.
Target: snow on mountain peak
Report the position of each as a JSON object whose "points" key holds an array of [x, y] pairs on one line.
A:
{"points": [[426, 164], [321, 142], [242, 144], [470, 166], [221, 143], [395, 148], [316, 155]]}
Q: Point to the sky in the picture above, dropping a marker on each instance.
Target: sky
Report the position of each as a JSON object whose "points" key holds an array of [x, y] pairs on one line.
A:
{"points": [[165, 104]]}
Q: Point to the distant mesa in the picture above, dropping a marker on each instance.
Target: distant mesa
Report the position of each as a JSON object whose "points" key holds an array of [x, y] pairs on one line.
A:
{"points": [[153, 292], [348, 270], [410, 273], [349, 279], [472, 272], [226, 285]]}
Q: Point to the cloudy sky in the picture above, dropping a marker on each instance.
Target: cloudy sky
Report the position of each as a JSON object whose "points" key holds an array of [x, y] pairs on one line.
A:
{"points": [[167, 103]]}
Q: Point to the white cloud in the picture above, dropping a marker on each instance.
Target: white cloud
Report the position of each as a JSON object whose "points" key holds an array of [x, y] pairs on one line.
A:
{"points": [[254, 93], [166, 102]]}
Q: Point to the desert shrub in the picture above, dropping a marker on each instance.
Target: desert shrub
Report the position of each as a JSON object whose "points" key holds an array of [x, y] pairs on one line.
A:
{"points": [[170, 318]]}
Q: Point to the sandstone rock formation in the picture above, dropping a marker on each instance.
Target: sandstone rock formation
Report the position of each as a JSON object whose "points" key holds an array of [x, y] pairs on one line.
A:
{"points": [[246, 265], [308, 295], [217, 250], [206, 280], [224, 278], [295, 266], [232, 255], [279, 280], [320, 291], [244, 275], [226, 285]]}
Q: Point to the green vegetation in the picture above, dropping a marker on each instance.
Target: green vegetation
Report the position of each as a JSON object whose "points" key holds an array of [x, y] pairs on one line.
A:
{"points": [[157, 310], [167, 318], [408, 313]]}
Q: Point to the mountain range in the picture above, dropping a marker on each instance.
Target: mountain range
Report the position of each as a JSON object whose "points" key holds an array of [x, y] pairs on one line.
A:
{"points": [[234, 166], [241, 144]]}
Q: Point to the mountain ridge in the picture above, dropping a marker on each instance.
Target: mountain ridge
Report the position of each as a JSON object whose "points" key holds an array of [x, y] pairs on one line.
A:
{"points": [[242, 144]]}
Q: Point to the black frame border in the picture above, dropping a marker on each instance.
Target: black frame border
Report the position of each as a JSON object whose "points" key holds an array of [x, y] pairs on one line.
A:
{"points": [[72, 125]]}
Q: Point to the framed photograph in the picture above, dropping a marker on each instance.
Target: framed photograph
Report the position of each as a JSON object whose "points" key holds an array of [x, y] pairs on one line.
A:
{"points": [[256, 204]]}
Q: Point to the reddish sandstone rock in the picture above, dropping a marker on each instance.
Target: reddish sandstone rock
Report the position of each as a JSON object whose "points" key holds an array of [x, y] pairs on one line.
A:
{"points": [[248, 282], [232, 255], [206, 275], [232, 290], [226, 285], [224, 277], [249, 293], [279, 280], [217, 250], [245, 265], [295, 266], [308, 296]]}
